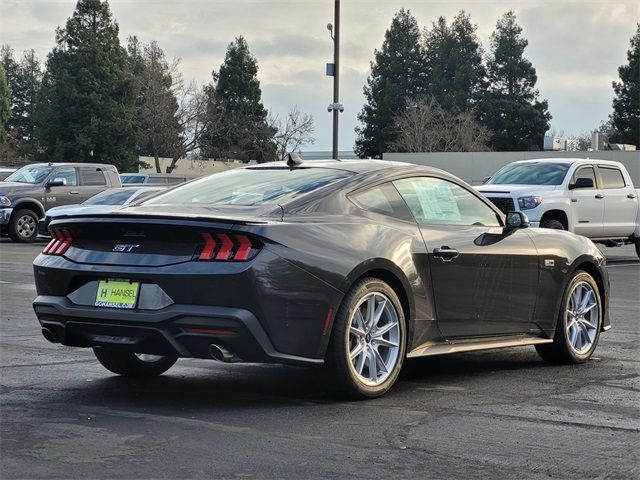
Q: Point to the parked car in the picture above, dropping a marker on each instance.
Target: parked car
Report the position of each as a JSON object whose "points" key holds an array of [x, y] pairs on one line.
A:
{"points": [[357, 265], [5, 172], [593, 198], [105, 201], [153, 178], [31, 190]]}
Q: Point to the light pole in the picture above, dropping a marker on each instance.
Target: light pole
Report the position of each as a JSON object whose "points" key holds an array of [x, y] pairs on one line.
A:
{"points": [[335, 107]]}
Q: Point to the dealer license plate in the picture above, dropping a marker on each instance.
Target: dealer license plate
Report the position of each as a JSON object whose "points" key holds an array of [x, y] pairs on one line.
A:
{"points": [[114, 293]]}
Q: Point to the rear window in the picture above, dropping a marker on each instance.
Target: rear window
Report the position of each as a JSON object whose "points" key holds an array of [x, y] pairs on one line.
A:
{"points": [[132, 179], [611, 177], [251, 186]]}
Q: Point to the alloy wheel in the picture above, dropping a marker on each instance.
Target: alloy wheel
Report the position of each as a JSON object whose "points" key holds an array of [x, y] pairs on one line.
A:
{"points": [[374, 339], [582, 317], [26, 226]]}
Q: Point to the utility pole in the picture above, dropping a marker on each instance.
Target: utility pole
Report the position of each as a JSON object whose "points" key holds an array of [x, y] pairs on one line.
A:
{"points": [[334, 70]]}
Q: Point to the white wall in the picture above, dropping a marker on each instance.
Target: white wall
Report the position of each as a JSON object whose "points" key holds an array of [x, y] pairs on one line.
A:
{"points": [[474, 166], [190, 167]]}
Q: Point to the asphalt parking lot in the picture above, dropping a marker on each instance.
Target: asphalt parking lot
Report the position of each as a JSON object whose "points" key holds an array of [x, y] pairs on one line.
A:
{"points": [[496, 414]]}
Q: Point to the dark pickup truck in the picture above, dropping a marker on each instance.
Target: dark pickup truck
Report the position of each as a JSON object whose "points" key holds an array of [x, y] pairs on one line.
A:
{"points": [[28, 192]]}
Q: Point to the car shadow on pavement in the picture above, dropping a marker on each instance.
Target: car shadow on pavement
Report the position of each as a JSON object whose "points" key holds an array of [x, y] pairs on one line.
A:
{"points": [[253, 386]]}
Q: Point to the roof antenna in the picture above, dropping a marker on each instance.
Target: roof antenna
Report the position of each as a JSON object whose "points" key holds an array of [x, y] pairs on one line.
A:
{"points": [[293, 159]]}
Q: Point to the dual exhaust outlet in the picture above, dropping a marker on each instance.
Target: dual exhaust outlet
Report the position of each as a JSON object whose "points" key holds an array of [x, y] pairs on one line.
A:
{"points": [[217, 352]]}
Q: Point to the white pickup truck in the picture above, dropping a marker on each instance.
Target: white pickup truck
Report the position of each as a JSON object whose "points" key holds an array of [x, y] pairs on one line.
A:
{"points": [[594, 198]]}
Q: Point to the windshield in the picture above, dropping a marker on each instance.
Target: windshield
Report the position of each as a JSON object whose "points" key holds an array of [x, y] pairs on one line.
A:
{"points": [[111, 197], [29, 174], [249, 187], [531, 174], [132, 179]]}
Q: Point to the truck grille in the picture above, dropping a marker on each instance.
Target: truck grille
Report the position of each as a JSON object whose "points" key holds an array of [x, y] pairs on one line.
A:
{"points": [[505, 204]]}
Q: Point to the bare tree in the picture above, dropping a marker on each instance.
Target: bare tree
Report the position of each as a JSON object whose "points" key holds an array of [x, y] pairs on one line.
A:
{"points": [[426, 127], [191, 114], [292, 133]]}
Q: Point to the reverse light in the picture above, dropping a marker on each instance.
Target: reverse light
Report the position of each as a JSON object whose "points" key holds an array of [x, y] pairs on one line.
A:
{"points": [[527, 203], [224, 247], [61, 240]]}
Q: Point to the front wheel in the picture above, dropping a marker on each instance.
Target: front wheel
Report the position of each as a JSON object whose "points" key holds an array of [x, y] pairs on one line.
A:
{"points": [[129, 364], [23, 226], [552, 224], [579, 322], [368, 341]]}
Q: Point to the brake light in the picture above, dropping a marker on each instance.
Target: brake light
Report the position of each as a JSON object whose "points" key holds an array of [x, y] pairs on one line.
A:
{"points": [[223, 247], [61, 240]]}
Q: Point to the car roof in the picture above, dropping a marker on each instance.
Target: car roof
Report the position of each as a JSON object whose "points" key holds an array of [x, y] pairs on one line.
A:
{"points": [[569, 161], [354, 166], [70, 164]]}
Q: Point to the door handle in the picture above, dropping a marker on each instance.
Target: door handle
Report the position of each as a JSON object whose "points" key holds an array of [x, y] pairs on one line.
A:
{"points": [[445, 253], [74, 192], [631, 196], [599, 196]]}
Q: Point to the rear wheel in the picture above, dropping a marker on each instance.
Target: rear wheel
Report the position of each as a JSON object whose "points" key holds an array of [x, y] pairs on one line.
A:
{"points": [[550, 223], [23, 226], [368, 341], [131, 364], [579, 322]]}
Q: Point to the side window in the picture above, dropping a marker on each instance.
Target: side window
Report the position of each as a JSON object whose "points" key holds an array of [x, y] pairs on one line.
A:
{"points": [[92, 176], [382, 199], [611, 177], [157, 180], [434, 201], [68, 173], [585, 172]]}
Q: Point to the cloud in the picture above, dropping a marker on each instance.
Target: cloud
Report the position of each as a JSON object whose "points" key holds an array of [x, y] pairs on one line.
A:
{"points": [[576, 46]]}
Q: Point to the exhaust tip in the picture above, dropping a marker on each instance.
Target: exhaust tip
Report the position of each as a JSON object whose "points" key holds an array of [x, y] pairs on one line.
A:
{"points": [[49, 335], [220, 353]]}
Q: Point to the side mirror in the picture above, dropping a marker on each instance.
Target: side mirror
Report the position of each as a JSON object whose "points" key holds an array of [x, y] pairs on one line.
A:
{"points": [[582, 183], [516, 220], [58, 182], [486, 179]]}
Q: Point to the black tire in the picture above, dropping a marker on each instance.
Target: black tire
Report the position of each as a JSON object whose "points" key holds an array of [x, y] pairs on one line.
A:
{"points": [[550, 223], [638, 247], [23, 226], [342, 368], [561, 350], [128, 364]]}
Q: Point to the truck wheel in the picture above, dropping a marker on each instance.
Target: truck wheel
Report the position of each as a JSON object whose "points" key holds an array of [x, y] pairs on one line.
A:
{"points": [[553, 224], [23, 226]]}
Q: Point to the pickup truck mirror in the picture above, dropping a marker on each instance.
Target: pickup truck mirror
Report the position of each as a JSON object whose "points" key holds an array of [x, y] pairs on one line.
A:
{"points": [[486, 179], [57, 182], [516, 220], [582, 182]]}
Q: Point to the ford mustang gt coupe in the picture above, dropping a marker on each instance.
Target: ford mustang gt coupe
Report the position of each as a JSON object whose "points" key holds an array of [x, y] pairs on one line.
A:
{"points": [[355, 265]]}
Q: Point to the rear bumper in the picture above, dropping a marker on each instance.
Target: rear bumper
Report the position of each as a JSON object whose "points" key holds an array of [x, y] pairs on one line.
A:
{"points": [[182, 330]]}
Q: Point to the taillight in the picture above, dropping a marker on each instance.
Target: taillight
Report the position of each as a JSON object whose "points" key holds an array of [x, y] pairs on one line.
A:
{"points": [[225, 247], [61, 240]]}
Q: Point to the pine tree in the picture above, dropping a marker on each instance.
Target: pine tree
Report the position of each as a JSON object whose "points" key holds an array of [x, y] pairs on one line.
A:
{"points": [[237, 124], [456, 73], [626, 104], [85, 110], [397, 74], [5, 109], [511, 109]]}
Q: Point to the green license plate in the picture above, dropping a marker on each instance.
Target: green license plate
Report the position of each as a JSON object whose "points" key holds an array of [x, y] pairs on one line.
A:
{"points": [[114, 293]]}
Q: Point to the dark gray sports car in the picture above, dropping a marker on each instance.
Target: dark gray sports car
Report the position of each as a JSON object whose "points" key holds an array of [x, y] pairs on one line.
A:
{"points": [[356, 265]]}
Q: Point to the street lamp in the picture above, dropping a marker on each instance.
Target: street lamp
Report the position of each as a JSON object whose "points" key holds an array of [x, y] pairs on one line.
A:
{"points": [[334, 70]]}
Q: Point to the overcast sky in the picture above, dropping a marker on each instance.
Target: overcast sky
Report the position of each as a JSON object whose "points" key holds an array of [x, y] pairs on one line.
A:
{"points": [[576, 47]]}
